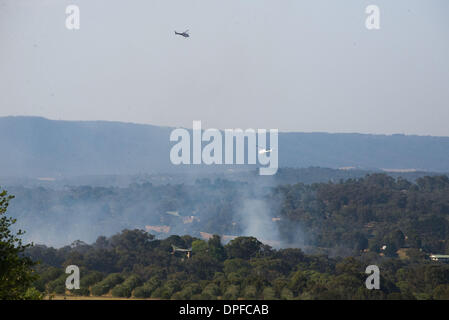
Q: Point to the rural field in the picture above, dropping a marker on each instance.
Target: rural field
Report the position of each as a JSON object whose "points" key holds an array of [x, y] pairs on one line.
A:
{"points": [[72, 297]]}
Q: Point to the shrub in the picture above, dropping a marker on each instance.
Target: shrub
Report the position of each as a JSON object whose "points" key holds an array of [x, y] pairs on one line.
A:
{"points": [[57, 283], [122, 291], [269, 293], [250, 292], [106, 284], [286, 294], [231, 293], [157, 293], [187, 292], [147, 289], [212, 290], [59, 289], [90, 279]]}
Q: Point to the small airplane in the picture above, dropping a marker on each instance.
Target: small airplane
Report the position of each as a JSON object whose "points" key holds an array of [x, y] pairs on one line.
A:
{"points": [[185, 34]]}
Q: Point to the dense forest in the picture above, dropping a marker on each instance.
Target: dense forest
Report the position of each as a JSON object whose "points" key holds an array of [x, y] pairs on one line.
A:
{"points": [[343, 228], [348, 215], [370, 213], [135, 264]]}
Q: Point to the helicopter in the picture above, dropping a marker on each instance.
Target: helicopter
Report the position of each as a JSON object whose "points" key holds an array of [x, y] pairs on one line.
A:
{"points": [[185, 34]]}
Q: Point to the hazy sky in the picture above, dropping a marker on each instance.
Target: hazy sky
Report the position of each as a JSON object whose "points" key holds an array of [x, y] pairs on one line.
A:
{"points": [[286, 64]]}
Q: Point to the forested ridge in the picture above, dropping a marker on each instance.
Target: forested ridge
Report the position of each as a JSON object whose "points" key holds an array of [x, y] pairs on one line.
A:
{"points": [[134, 264], [392, 223], [354, 214], [371, 212]]}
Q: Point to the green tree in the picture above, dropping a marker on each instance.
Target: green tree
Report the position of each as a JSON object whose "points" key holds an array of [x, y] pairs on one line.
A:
{"points": [[216, 249], [243, 247], [199, 246], [16, 275], [441, 292]]}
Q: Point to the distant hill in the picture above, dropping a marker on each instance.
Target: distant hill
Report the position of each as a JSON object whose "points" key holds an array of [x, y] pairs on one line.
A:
{"points": [[34, 146], [38, 147]]}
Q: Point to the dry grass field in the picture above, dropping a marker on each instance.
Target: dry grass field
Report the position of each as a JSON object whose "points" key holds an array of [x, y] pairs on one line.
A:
{"points": [[70, 297]]}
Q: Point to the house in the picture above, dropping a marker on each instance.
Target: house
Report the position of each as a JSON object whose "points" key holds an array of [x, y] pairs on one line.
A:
{"points": [[158, 229]]}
